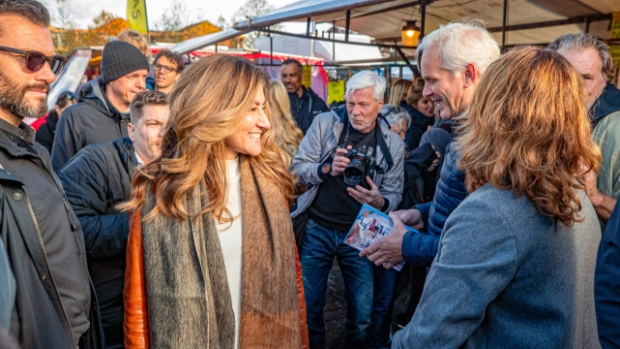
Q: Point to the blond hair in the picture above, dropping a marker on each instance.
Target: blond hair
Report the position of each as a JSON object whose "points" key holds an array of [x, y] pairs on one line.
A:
{"points": [[207, 104], [286, 133], [135, 38], [398, 90], [527, 130]]}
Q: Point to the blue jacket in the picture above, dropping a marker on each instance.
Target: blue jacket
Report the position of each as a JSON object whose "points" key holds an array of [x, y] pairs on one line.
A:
{"points": [[607, 283], [421, 248], [508, 277]]}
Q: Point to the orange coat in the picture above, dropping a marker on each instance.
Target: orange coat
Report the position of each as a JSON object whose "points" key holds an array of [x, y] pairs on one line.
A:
{"points": [[136, 317]]}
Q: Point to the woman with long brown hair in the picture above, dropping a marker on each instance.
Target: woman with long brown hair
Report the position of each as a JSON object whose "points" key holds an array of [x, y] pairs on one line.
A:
{"points": [[422, 112], [211, 259], [286, 133], [515, 267]]}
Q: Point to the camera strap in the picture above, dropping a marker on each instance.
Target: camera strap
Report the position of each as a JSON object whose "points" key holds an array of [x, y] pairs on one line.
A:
{"points": [[344, 137]]}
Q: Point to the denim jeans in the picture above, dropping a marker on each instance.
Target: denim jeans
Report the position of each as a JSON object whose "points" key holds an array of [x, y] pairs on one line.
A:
{"points": [[319, 247], [378, 336]]}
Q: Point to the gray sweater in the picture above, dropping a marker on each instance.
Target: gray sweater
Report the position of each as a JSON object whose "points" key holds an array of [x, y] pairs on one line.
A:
{"points": [[506, 276]]}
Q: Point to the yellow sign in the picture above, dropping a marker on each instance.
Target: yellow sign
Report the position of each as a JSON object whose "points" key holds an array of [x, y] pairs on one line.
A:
{"points": [[615, 34], [335, 91], [136, 15], [307, 73]]}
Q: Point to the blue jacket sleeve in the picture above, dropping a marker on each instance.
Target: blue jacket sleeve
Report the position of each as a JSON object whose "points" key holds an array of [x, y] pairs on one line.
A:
{"points": [[607, 284], [420, 248], [85, 182], [424, 209], [475, 279]]}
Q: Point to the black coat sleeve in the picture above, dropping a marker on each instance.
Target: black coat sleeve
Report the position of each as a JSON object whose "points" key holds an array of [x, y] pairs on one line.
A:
{"points": [[85, 180], [68, 139], [607, 284]]}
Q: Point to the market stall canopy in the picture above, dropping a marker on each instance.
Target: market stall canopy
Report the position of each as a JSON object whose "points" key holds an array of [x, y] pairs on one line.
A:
{"points": [[528, 21], [206, 40]]}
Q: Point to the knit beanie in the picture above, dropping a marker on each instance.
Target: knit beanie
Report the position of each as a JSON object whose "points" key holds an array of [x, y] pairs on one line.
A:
{"points": [[119, 59]]}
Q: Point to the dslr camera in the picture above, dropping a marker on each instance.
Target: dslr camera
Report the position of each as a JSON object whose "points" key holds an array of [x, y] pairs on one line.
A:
{"points": [[362, 164]]}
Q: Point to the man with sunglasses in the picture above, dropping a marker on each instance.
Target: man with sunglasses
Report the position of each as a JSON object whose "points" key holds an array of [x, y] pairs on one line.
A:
{"points": [[41, 234], [102, 114], [168, 67]]}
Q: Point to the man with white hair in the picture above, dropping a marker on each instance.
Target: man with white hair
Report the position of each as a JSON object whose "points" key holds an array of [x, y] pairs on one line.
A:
{"points": [[452, 60], [339, 185]]}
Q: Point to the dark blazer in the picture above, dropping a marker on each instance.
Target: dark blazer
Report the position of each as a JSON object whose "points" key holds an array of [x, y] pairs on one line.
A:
{"points": [[95, 180]]}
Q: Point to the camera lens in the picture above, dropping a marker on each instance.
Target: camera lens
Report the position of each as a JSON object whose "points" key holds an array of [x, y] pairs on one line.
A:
{"points": [[354, 173]]}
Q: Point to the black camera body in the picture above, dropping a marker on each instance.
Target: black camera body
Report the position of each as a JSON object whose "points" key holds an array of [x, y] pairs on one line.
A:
{"points": [[362, 164]]}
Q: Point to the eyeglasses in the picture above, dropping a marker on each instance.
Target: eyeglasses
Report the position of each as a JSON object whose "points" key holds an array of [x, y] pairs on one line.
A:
{"points": [[164, 67], [35, 60]]}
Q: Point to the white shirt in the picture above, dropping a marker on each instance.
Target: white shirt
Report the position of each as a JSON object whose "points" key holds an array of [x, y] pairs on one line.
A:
{"points": [[139, 161], [230, 239]]}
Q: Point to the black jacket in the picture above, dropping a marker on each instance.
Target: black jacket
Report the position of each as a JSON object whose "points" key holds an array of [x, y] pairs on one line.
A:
{"points": [[607, 103], [304, 109], [39, 317], [45, 133], [96, 179], [419, 125], [93, 120]]}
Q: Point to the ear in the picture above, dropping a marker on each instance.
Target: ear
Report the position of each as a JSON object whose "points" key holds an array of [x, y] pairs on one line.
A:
{"points": [[131, 131], [471, 75]]}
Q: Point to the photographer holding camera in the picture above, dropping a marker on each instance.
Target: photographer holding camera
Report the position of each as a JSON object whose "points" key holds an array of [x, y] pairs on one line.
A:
{"points": [[347, 158]]}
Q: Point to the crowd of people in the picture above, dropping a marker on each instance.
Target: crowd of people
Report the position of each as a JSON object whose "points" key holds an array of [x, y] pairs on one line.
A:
{"points": [[165, 206]]}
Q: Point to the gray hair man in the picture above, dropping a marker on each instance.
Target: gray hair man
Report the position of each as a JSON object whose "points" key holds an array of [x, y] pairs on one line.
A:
{"points": [[336, 195], [592, 59], [398, 119], [42, 236], [452, 60]]}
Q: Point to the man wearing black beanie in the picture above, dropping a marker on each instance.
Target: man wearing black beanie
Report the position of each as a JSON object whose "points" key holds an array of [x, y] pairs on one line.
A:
{"points": [[102, 114]]}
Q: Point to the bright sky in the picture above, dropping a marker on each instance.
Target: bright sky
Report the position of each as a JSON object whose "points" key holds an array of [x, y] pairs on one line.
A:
{"points": [[85, 10]]}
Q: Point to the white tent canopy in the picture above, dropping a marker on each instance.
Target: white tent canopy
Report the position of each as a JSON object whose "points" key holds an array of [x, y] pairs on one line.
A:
{"points": [[383, 20]]}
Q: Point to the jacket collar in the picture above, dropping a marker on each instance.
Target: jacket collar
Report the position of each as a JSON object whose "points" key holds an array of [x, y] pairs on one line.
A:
{"points": [[93, 93], [607, 103], [22, 131]]}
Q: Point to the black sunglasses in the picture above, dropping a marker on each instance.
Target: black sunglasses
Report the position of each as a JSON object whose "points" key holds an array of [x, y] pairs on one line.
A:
{"points": [[35, 60]]}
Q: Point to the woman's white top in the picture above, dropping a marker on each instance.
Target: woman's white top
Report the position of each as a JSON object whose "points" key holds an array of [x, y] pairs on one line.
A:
{"points": [[230, 239]]}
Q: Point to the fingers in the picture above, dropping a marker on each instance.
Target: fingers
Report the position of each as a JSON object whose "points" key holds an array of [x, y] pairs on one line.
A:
{"points": [[371, 183], [396, 219], [374, 247]]}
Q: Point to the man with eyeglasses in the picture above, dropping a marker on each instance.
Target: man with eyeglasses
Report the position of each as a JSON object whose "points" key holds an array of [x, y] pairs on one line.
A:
{"points": [[102, 114], [41, 234], [168, 67]]}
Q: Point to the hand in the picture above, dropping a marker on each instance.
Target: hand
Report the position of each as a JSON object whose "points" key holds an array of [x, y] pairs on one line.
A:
{"points": [[589, 181], [435, 162], [411, 217], [387, 251], [339, 163], [371, 197]]}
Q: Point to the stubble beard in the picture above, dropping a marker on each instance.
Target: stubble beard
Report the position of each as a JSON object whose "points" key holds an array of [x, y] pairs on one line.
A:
{"points": [[12, 98]]}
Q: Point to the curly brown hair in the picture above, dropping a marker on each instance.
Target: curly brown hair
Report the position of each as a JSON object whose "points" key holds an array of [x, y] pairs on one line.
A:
{"points": [[527, 130]]}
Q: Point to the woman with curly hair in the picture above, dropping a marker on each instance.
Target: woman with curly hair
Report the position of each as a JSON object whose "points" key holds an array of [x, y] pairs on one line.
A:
{"points": [[515, 267], [211, 258], [286, 133]]}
